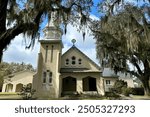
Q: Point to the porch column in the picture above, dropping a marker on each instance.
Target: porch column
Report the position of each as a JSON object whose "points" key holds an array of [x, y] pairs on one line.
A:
{"points": [[14, 88], [79, 86], [4, 88], [103, 87]]}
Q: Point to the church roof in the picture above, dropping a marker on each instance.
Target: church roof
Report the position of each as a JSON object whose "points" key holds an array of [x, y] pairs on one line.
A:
{"points": [[76, 49], [107, 72], [19, 75], [67, 70]]}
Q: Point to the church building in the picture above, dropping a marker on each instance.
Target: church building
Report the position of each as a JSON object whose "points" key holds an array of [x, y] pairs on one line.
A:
{"points": [[58, 74], [71, 72]]}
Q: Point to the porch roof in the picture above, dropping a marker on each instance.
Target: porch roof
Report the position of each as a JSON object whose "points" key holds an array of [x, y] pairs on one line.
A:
{"points": [[69, 70]]}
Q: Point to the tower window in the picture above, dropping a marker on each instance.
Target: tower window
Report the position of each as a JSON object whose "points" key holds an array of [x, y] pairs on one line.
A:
{"points": [[73, 60], [44, 77], [46, 51], [80, 61], [52, 53], [67, 61], [50, 77]]}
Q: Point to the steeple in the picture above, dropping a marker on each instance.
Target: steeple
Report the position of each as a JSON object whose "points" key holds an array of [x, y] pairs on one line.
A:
{"points": [[52, 29], [49, 60]]}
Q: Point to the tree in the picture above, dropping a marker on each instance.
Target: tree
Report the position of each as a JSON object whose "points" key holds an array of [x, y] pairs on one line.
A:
{"points": [[123, 40], [26, 16]]}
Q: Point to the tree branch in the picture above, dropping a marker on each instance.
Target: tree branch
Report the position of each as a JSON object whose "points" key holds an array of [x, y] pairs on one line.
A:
{"points": [[134, 62], [7, 36], [3, 10]]}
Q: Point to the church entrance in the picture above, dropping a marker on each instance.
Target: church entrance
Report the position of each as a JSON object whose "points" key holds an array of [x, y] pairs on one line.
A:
{"points": [[89, 84], [19, 87], [69, 84], [9, 87]]}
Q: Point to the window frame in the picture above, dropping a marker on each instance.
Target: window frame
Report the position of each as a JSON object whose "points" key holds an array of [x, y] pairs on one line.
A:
{"points": [[44, 77], [79, 61], [108, 82], [73, 58], [67, 62]]}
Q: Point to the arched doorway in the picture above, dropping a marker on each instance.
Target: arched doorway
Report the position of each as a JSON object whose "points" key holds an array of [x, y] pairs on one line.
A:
{"points": [[69, 84], [9, 87], [89, 84], [19, 87]]}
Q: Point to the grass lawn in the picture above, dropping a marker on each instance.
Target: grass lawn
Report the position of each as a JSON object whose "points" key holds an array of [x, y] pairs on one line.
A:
{"points": [[15, 96], [140, 97], [9, 96]]}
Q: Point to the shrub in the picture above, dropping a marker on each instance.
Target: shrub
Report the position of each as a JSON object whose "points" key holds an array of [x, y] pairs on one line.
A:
{"points": [[119, 84], [126, 91], [112, 95], [138, 91], [27, 92]]}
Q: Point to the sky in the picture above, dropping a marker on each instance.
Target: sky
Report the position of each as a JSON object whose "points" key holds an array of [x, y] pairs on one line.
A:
{"points": [[17, 53]]}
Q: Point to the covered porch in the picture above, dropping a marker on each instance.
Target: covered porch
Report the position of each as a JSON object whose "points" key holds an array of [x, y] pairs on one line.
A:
{"points": [[81, 84]]}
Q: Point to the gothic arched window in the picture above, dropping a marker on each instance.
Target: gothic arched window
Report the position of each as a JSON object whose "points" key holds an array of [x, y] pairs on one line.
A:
{"points": [[49, 76], [73, 60], [67, 61], [44, 77], [80, 61]]}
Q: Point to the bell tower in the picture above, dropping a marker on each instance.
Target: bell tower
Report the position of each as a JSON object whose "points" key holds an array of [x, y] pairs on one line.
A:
{"points": [[46, 81]]}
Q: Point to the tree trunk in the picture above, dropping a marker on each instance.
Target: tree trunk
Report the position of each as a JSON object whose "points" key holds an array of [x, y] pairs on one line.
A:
{"points": [[146, 86], [1, 55]]}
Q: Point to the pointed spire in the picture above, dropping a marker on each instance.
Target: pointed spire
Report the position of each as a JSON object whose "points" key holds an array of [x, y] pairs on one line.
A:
{"points": [[52, 29], [53, 20]]}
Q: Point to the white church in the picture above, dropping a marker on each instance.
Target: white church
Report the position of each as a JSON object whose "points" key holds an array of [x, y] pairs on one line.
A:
{"points": [[58, 74]]}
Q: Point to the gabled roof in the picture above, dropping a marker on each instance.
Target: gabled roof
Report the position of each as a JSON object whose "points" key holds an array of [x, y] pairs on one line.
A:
{"points": [[13, 75], [107, 72], [76, 49]]}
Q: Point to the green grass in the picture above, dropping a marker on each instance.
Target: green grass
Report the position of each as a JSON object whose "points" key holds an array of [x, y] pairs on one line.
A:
{"points": [[79, 97], [9, 96], [8, 93], [140, 97]]}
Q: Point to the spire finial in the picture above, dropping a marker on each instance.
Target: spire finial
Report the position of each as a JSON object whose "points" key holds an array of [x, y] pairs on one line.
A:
{"points": [[73, 41]]}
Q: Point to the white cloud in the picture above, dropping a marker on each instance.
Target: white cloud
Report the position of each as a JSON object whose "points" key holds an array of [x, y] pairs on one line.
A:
{"points": [[87, 46], [16, 52]]}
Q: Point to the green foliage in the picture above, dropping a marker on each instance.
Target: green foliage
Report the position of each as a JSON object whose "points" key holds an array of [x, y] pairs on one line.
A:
{"points": [[27, 92], [138, 91], [119, 85], [9, 68], [112, 95], [126, 91], [26, 16], [123, 39]]}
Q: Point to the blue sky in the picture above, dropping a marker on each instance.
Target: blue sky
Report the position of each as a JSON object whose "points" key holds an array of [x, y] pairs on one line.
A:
{"points": [[16, 52]]}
